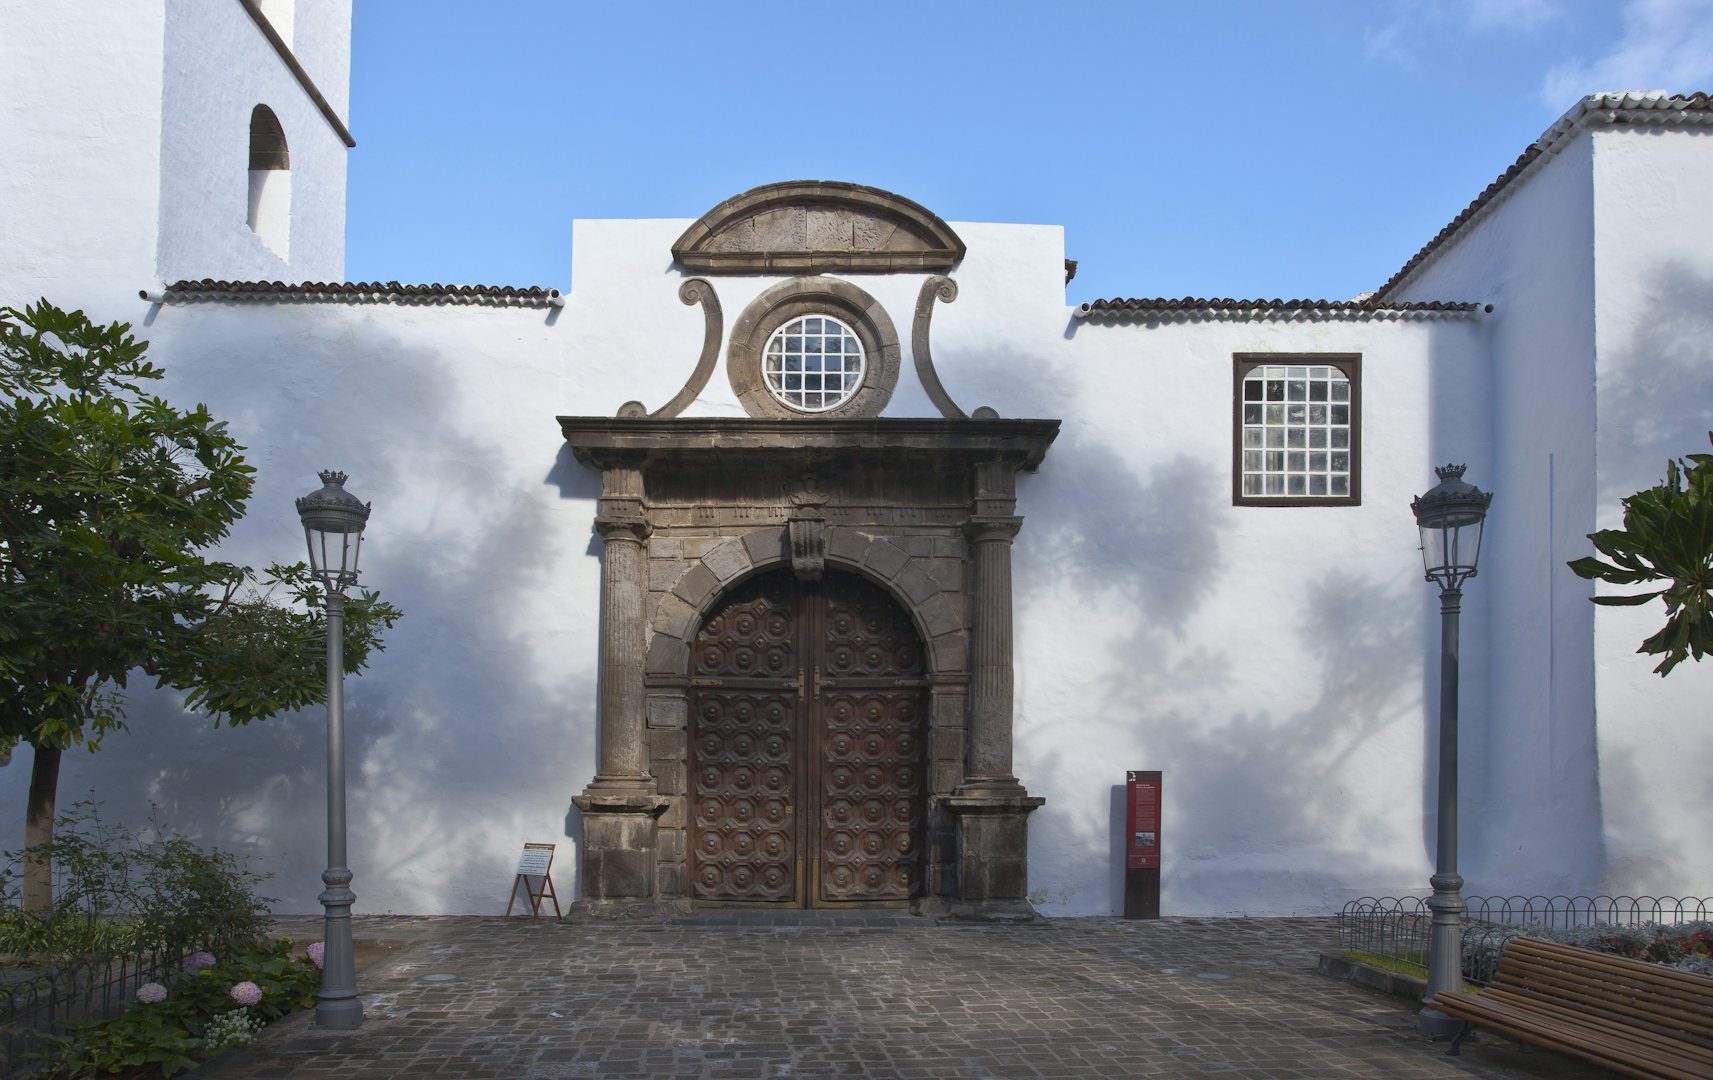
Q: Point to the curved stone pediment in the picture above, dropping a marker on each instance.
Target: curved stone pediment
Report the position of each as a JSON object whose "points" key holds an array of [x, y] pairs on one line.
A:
{"points": [[817, 225]]}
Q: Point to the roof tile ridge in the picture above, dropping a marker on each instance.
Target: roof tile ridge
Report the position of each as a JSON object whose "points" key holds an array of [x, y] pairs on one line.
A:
{"points": [[395, 291], [1599, 109]]}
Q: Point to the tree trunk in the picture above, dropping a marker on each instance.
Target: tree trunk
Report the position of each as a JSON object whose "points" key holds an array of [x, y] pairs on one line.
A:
{"points": [[39, 830]]}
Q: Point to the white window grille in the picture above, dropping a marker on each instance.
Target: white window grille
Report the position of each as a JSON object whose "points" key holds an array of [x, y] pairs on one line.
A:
{"points": [[813, 363], [1297, 432]]}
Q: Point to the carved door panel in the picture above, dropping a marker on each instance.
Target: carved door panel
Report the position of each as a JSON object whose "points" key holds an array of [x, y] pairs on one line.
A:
{"points": [[870, 693], [807, 738], [746, 710]]}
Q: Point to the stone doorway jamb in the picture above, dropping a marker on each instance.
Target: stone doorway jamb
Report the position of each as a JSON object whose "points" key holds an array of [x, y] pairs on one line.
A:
{"points": [[991, 807], [620, 805]]}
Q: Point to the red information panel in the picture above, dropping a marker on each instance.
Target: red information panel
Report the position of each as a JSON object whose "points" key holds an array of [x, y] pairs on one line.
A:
{"points": [[1142, 852]]}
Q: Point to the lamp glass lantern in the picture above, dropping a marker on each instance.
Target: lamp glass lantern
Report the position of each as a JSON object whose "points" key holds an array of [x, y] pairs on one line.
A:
{"points": [[1450, 518], [333, 521]]}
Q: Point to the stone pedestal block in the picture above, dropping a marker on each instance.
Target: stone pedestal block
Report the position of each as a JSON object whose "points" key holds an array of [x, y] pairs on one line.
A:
{"points": [[618, 850], [993, 854]]}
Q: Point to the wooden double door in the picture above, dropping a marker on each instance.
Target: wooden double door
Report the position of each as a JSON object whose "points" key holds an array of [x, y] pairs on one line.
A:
{"points": [[807, 750]]}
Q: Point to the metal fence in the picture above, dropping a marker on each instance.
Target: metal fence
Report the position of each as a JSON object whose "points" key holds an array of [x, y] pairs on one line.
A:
{"points": [[34, 1006], [1395, 929]]}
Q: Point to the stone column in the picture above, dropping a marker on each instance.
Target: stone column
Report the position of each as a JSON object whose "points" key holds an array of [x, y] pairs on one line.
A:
{"points": [[991, 806], [620, 805], [989, 756]]}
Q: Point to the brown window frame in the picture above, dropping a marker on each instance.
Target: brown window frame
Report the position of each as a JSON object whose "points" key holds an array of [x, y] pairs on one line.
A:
{"points": [[1348, 363]]}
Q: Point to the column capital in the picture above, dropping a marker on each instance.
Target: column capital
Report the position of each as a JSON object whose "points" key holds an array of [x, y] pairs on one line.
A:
{"points": [[623, 526], [982, 528]]}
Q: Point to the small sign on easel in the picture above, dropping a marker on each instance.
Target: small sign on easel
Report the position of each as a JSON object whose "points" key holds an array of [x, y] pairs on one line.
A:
{"points": [[534, 879]]}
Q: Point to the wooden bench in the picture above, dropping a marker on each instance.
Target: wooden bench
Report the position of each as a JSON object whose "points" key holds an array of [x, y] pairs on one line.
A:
{"points": [[1632, 1017]]}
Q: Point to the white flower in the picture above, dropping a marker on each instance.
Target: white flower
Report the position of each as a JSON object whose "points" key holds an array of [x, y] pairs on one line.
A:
{"points": [[230, 1029]]}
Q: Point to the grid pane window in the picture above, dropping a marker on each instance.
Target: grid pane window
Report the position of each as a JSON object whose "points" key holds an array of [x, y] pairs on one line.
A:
{"points": [[813, 363], [1296, 431]]}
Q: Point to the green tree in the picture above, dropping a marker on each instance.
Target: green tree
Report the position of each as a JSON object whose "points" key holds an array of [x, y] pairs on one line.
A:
{"points": [[1667, 537], [109, 497]]}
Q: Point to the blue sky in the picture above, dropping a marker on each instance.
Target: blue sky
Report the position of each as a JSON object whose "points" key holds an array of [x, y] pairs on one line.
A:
{"points": [[1292, 149]]}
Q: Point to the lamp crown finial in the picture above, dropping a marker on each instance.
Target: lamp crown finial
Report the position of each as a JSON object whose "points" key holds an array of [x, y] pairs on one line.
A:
{"points": [[334, 477], [1449, 472]]}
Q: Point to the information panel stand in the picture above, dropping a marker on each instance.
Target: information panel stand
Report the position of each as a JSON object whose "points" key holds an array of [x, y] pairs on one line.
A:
{"points": [[534, 879], [1142, 844]]}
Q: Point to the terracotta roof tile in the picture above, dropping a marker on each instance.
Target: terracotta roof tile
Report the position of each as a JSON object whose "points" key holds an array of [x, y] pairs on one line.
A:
{"points": [[370, 292], [1190, 306], [1631, 108]]}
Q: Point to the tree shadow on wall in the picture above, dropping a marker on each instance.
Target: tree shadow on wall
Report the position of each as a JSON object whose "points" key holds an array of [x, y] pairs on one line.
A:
{"points": [[1658, 402], [462, 737], [1275, 790], [1267, 791], [1094, 528]]}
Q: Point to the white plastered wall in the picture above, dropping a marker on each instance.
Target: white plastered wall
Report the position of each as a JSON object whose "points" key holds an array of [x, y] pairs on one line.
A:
{"points": [[1269, 660], [469, 734], [218, 67], [1533, 824], [80, 94], [1653, 231]]}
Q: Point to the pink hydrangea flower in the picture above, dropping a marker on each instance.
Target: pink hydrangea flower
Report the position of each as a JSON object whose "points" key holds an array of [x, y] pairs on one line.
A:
{"points": [[316, 952], [246, 993], [198, 960], [151, 993]]}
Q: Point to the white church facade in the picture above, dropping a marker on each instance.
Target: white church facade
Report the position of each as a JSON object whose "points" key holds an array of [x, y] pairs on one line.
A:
{"points": [[815, 550]]}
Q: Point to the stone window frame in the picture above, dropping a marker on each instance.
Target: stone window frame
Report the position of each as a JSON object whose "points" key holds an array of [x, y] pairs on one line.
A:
{"points": [[813, 296], [1350, 364]]}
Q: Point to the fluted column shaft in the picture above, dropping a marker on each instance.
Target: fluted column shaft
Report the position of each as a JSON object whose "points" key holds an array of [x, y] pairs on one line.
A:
{"points": [[990, 692], [623, 761]]}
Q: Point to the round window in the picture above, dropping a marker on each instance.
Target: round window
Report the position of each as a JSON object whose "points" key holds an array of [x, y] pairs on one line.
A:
{"points": [[813, 363]]}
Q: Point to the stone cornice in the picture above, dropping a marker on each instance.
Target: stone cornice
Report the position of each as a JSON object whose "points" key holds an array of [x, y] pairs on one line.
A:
{"points": [[596, 440]]}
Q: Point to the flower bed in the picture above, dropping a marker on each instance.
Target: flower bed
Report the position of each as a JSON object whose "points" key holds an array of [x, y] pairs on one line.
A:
{"points": [[211, 1005]]}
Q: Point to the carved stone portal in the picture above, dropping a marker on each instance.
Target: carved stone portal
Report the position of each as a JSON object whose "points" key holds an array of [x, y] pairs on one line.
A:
{"points": [[923, 512]]}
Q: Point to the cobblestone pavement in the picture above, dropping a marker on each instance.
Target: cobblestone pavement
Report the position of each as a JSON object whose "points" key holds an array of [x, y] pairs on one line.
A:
{"points": [[874, 995]]}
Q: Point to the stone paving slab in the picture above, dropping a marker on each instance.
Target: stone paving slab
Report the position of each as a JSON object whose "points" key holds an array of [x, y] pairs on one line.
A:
{"points": [[759, 996]]}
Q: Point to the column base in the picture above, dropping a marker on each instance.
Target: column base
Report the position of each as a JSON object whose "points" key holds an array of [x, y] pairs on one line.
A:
{"points": [[992, 911], [992, 852], [618, 843], [993, 789]]}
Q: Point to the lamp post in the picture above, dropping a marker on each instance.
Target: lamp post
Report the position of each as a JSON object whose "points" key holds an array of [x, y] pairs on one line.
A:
{"points": [[333, 521], [1450, 518]]}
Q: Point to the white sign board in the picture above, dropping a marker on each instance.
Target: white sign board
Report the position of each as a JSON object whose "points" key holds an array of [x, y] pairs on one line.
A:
{"points": [[535, 861]]}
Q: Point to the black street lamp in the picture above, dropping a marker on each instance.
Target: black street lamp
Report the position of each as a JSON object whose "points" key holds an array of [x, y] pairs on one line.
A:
{"points": [[333, 521], [1450, 518]]}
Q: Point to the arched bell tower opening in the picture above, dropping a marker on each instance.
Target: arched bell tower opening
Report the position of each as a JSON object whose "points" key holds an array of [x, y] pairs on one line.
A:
{"points": [[807, 746]]}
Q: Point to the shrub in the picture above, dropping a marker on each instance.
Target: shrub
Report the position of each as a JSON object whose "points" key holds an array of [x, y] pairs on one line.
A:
{"points": [[121, 891], [1687, 946]]}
